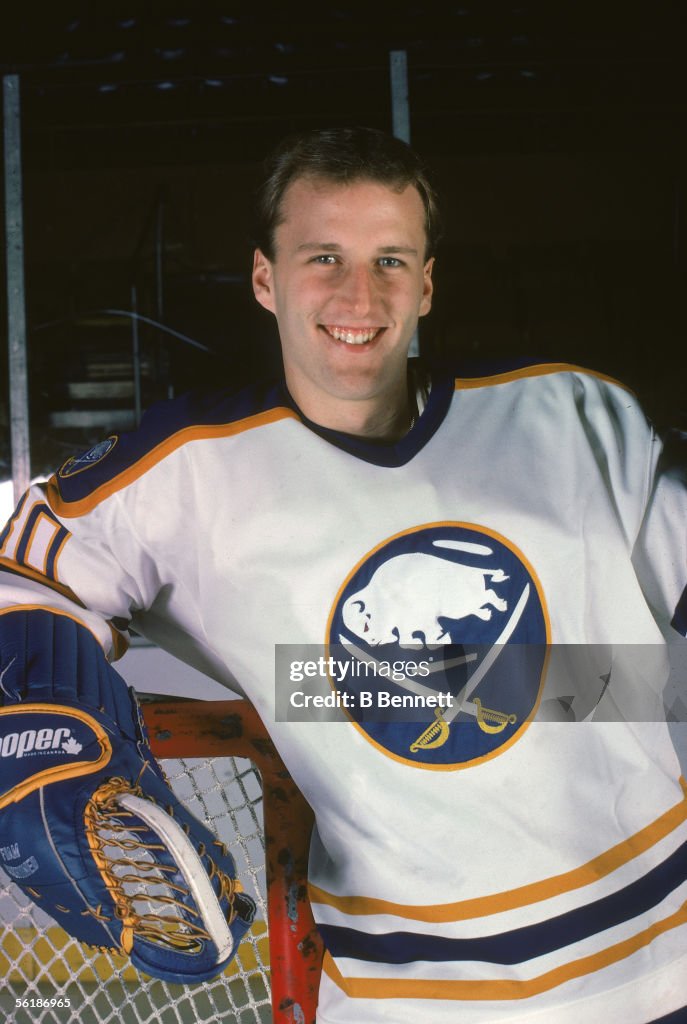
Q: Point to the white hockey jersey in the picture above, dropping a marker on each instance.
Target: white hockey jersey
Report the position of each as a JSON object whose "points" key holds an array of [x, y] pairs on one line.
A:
{"points": [[501, 823]]}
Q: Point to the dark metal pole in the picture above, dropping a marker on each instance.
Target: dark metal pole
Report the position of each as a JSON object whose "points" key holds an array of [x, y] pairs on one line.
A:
{"points": [[400, 122], [16, 303], [400, 111]]}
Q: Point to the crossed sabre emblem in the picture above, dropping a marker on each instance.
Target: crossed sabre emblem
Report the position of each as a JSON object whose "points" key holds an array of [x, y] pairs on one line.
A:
{"points": [[489, 720]]}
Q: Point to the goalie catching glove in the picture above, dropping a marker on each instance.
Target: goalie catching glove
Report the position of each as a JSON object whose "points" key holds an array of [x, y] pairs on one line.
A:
{"points": [[89, 827]]}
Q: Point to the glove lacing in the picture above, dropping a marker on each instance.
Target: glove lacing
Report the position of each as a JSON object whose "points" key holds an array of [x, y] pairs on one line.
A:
{"points": [[109, 826]]}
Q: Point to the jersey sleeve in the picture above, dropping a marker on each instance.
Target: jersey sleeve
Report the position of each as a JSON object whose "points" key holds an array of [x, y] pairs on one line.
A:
{"points": [[660, 554], [647, 477], [111, 563], [42, 561], [112, 539], [90, 568], [79, 544]]}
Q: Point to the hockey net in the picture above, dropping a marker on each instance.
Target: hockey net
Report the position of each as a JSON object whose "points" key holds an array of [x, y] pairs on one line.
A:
{"points": [[223, 767]]}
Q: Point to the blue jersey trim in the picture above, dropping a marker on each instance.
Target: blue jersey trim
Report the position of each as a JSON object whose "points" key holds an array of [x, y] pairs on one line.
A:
{"points": [[392, 453], [521, 944]]}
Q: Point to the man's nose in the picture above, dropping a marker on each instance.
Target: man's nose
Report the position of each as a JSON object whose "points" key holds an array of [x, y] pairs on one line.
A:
{"points": [[359, 290]]}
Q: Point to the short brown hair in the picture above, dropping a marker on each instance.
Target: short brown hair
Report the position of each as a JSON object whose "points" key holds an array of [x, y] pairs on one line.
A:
{"points": [[341, 155]]}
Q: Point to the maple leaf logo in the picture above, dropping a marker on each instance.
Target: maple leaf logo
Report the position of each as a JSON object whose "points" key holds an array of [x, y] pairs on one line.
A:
{"points": [[71, 746]]}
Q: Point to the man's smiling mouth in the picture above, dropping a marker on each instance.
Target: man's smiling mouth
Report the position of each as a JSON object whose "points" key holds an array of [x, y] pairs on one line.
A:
{"points": [[352, 335]]}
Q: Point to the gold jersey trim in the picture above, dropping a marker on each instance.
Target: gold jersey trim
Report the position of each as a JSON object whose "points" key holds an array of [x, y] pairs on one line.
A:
{"points": [[537, 370], [482, 906]]}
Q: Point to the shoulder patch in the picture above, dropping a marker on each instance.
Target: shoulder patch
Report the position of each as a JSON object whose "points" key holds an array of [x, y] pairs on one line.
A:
{"points": [[78, 463]]}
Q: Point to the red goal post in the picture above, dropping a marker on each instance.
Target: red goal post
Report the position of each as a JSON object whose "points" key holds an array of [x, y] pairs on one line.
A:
{"points": [[188, 729]]}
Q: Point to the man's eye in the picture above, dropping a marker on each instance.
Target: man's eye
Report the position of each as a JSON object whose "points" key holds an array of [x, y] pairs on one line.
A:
{"points": [[390, 261], [325, 259]]}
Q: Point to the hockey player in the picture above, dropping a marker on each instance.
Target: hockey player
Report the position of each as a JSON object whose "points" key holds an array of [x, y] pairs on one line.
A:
{"points": [[502, 557]]}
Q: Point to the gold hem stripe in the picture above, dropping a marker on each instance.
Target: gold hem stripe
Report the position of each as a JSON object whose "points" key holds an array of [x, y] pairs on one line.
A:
{"points": [[500, 988], [482, 906]]}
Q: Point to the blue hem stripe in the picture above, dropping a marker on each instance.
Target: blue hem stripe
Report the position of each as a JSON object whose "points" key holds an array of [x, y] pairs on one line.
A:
{"points": [[521, 944]]}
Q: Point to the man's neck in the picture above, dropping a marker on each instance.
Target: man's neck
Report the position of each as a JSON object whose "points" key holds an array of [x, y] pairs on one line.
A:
{"points": [[385, 424], [385, 420]]}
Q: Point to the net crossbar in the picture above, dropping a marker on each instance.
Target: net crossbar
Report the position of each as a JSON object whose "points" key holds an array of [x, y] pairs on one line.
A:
{"points": [[223, 767]]}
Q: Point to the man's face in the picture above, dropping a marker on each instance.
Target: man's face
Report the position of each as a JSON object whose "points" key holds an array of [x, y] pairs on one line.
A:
{"points": [[347, 285]]}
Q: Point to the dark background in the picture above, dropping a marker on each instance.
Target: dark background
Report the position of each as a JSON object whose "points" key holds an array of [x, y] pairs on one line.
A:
{"points": [[556, 133]]}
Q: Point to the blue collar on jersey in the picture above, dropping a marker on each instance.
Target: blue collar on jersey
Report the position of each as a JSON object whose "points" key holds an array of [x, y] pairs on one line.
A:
{"points": [[380, 452]]}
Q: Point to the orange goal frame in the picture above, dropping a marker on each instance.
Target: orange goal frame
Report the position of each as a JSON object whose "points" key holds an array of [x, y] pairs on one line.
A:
{"points": [[232, 728]]}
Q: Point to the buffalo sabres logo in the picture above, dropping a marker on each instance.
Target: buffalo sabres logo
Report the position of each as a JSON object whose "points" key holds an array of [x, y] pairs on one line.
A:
{"points": [[77, 463], [457, 613]]}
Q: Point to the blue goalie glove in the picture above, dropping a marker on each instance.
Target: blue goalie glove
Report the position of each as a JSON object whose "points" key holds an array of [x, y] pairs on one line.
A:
{"points": [[89, 827]]}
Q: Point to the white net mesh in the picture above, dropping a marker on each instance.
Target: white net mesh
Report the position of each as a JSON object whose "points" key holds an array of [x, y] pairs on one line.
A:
{"points": [[49, 978]]}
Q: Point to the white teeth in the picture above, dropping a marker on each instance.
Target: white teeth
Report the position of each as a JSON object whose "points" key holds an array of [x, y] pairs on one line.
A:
{"points": [[352, 337]]}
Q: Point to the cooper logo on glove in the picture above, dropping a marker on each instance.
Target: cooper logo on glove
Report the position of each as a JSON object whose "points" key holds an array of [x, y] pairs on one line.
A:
{"points": [[25, 736]]}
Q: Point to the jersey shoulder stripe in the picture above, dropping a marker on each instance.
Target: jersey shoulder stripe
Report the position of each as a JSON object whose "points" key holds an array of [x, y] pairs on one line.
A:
{"points": [[86, 480], [522, 371]]}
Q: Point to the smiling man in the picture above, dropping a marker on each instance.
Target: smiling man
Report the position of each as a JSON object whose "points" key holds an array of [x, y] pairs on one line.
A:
{"points": [[513, 848], [347, 277]]}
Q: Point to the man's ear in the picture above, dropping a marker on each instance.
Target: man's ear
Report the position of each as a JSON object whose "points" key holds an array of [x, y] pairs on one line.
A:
{"points": [[263, 280], [427, 287]]}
